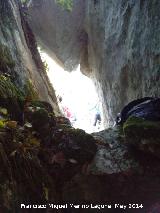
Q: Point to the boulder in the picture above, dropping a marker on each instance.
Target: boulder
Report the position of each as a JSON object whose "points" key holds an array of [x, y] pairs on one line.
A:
{"points": [[140, 120], [112, 155], [143, 134], [131, 107]]}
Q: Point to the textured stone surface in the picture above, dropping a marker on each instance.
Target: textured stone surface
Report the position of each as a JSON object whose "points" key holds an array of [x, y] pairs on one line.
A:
{"points": [[33, 168], [143, 134], [124, 176], [121, 45], [59, 31], [112, 155], [24, 172], [16, 35], [124, 49]]}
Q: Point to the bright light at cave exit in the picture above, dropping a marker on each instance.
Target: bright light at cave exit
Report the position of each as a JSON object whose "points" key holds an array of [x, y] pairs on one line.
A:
{"points": [[78, 95]]}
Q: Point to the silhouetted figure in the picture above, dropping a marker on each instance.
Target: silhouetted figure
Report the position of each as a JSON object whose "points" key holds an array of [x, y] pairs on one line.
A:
{"points": [[65, 110], [97, 118]]}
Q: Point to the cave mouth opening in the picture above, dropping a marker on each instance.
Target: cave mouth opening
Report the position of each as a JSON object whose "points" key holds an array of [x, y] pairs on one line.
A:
{"points": [[76, 96]]}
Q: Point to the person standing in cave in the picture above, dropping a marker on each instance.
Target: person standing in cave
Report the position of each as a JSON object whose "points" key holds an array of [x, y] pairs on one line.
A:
{"points": [[66, 111], [97, 115], [97, 118]]}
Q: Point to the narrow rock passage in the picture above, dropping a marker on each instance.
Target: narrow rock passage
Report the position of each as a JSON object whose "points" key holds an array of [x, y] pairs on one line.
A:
{"points": [[43, 158], [77, 96]]}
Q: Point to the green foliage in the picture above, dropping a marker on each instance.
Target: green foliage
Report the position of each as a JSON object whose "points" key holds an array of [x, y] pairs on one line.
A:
{"points": [[67, 4], [24, 1], [30, 92], [3, 111], [8, 89], [139, 127], [140, 122], [11, 98], [2, 124], [45, 66], [6, 60]]}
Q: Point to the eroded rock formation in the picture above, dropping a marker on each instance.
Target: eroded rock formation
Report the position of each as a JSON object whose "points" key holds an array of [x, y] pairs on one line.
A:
{"points": [[59, 31], [43, 159], [19, 49], [116, 42]]}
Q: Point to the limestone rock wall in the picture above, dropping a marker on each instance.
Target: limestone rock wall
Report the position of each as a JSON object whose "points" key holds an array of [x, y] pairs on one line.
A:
{"points": [[18, 40], [119, 46], [59, 31], [124, 50]]}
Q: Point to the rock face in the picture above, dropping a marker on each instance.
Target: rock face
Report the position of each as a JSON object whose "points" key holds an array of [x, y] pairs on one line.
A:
{"points": [[59, 31], [119, 45], [111, 156], [44, 159], [19, 56], [124, 49], [118, 173]]}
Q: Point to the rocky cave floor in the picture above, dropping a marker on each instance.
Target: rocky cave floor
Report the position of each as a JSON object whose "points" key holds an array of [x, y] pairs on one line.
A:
{"points": [[44, 160]]}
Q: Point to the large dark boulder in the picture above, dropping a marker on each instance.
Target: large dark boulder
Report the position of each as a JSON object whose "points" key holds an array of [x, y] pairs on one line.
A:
{"points": [[147, 108], [140, 121]]}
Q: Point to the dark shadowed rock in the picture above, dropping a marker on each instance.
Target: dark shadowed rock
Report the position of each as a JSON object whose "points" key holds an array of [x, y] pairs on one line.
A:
{"points": [[147, 108], [143, 134], [140, 120]]}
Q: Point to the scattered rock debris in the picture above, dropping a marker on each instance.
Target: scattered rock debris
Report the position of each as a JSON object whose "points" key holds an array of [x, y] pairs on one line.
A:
{"points": [[45, 160]]}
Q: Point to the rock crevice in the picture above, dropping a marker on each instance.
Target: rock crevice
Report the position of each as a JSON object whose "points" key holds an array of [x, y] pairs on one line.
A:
{"points": [[19, 48], [121, 52]]}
